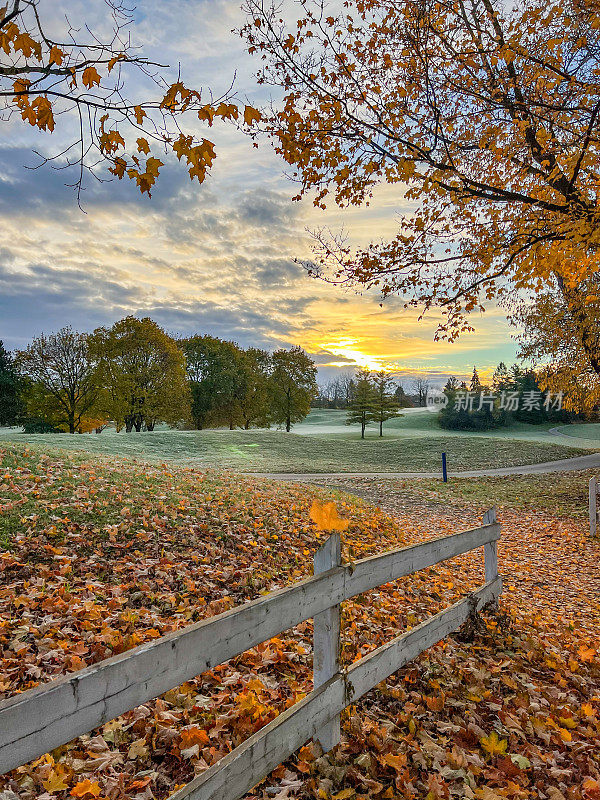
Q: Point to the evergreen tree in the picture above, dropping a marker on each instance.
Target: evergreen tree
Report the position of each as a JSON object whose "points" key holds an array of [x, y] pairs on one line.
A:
{"points": [[385, 405], [361, 407], [11, 407], [475, 385], [402, 398], [452, 384], [501, 379]]}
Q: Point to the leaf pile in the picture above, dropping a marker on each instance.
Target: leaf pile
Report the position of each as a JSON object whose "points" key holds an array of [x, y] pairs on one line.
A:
{"points": [[102, 556]]}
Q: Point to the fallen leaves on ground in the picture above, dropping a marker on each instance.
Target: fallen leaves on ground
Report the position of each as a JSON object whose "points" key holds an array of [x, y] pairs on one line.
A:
{"points": [[102, 556]]}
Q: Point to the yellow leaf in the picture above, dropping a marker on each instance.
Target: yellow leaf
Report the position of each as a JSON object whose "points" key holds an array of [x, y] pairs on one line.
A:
{"points": [[493, 745], [139, 114], [325, 517], [143, 146], [56, 782], [251, 115]]}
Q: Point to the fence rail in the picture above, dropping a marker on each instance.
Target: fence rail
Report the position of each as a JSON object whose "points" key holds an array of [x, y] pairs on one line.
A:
{"points": [[40, 719]]}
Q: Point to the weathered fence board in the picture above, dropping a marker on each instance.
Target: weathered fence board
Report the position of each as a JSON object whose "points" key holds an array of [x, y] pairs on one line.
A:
{"points": [[387, 659], [244, 767], [326, 638], [593, 495], [38, 720], [236, 773], [378, 570]]}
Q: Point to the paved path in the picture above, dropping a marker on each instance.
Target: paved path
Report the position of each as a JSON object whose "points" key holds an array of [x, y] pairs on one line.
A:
{"points": [[564, 465]]}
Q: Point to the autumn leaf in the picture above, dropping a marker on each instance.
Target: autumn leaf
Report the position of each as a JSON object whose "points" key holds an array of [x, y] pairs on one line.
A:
{"points": [[193, 736], [90, 77], [251, 115], [586, 654], [494, 745], [142, 145], [326, 518], [86, 789], [57, 781], [139, 114], [56, 55]]}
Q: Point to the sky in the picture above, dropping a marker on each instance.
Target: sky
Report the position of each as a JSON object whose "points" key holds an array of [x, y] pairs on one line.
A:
{"points": [[217, 258]]}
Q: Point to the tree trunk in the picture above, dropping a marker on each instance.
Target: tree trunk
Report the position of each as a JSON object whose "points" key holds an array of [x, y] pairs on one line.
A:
{"points": [[128, 425], [588, 337], [381, 427], [150, 426], [363, 425], [71, 423], [138, 425], [288, 424], [247, 425]]}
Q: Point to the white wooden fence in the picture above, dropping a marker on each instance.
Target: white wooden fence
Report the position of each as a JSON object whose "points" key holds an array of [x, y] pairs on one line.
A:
{"points": [[40, 719]]}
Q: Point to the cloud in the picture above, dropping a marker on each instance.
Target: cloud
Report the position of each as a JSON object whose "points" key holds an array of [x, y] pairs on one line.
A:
{"points": [[217, 258]]}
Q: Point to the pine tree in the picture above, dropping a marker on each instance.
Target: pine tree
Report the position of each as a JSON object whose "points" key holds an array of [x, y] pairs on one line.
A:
{"points": [[385, 404], [361, 406], [475, 385], [501, 378]]}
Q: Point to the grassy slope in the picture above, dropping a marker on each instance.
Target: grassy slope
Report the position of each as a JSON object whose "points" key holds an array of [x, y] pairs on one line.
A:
{"points": [[105, 554], [273, 451]]}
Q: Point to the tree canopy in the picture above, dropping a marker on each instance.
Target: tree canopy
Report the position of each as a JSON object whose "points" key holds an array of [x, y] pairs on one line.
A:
{"points": [[61, 375], [118, 110], [484, 114], [142, 374]]}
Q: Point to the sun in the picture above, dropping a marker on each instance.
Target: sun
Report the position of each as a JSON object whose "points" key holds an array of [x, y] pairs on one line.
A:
{"points": [[346, 346]]}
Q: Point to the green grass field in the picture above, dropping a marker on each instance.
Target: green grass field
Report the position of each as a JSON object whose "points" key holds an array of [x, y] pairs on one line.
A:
{"points": [[275, 451]]}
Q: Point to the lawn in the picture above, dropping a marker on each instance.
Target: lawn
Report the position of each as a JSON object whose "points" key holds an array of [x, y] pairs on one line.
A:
{"points": [[276, 451], [102, 554]]}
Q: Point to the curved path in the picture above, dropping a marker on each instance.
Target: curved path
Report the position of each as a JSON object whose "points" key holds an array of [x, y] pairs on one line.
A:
{"points": [[563, 465]]}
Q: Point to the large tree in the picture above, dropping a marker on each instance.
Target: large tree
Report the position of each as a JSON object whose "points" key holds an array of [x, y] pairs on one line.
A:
{"points": [[294, 385], [486, 116], [255, 379], [116, 109], [61, 378], [11, 406], [143, 374], [216, 371]]}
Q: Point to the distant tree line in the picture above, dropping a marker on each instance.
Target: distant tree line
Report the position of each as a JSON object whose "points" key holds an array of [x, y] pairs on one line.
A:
{"points": [[134, 375], [339, 393], [514, 393]]}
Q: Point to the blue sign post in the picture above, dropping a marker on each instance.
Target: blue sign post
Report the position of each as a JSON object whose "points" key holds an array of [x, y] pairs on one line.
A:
{"points": [[444, 470]]}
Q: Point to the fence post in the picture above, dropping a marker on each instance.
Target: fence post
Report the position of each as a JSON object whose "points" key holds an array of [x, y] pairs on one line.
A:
{"points": [[490, 549], [593, 512], [326, 639]]}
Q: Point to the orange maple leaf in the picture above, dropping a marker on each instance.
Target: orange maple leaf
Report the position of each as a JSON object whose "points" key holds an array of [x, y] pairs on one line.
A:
{"points": [[90, 77], [86, 789], [193, 736], [326, 518]]}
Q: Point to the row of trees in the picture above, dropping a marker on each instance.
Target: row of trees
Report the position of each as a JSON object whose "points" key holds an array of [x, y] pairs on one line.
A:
{"points": [[135, 375], [515, 393]]}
